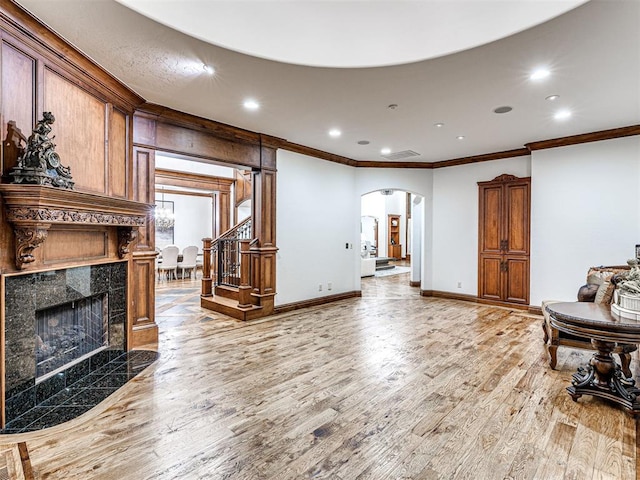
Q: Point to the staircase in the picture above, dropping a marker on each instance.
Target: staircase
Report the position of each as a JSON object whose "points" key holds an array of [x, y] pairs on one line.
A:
{"points": [[226, 274]]}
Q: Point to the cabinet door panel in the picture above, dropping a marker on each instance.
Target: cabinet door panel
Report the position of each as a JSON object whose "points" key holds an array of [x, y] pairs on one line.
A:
{"points": [[490, 219], [517, 280], [517, 219], [490, 277]]}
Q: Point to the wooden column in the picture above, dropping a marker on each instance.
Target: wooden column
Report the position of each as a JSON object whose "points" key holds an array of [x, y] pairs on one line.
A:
{"points": [[244, 290], [143, 328], [222, 211], [206, 267], [263, 252]]}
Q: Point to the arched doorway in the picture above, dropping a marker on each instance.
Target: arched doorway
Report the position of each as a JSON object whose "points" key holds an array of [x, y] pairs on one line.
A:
{"points": [[391, 232]]}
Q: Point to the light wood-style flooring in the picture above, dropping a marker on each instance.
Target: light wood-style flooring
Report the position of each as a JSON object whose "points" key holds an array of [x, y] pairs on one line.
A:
{"points": [[388, 386]]}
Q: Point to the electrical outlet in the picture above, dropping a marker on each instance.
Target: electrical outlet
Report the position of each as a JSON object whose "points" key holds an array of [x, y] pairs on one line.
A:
{"points": [[329, 286], [320, 287], [459, 284], [346, 245]]}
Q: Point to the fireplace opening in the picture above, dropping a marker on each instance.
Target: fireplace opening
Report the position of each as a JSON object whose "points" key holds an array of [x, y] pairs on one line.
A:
{"points": [[67, 333]]}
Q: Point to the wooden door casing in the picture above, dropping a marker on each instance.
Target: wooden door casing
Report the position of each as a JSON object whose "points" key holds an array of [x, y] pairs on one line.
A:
{"points": [[504, 239]]}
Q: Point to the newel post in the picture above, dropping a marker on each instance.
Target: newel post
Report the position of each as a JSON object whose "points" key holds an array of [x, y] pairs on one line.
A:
{"points": [[244, 290], [206, 267]]}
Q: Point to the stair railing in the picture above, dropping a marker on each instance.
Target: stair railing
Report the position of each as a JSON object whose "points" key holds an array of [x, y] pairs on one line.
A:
{"points": [[222, 259]]}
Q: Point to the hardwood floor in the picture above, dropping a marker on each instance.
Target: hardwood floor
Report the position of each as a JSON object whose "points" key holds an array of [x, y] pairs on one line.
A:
{"points": [[388, 386]]}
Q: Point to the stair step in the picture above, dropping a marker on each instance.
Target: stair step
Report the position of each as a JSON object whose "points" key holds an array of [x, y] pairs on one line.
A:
{"points": [[230, 307]]}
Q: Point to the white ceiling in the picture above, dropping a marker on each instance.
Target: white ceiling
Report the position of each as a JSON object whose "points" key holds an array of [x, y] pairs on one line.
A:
{"points": [[350, 33], [592, 51]]}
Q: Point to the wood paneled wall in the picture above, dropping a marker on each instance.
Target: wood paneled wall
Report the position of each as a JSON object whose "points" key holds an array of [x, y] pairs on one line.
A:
{"points": [[93, 127]]}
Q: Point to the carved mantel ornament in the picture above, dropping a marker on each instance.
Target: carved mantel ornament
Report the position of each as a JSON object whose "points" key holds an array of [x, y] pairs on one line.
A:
{"points": [[33, 209], [38, 162]]}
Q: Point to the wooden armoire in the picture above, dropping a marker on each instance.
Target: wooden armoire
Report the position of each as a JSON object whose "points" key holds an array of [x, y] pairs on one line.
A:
{"points": [[503, 239]]}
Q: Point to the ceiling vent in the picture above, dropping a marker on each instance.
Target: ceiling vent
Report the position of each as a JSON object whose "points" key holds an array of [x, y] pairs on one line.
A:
{"points": [[401, 155]]}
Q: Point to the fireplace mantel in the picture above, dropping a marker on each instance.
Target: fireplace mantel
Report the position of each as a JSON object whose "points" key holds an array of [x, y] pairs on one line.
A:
{"points": [[33, 209]]}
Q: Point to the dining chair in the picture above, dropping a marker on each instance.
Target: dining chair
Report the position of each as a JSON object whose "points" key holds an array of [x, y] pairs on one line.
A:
{"points": [[188, 262], [169, 263]]}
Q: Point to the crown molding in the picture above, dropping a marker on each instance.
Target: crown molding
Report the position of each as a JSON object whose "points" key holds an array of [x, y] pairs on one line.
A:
{"points": [[585, 138]]}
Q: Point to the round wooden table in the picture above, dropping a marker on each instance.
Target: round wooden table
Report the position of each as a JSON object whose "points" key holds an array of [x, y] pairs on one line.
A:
{"points": [[603, 377]]}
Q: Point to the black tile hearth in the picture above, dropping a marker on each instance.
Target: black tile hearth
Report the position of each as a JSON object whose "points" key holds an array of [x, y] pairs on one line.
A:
{"points": [[73, 392], [57, 317]]}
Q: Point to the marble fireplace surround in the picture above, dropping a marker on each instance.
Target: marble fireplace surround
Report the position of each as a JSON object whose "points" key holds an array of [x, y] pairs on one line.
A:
{"points": [[31, 292]]}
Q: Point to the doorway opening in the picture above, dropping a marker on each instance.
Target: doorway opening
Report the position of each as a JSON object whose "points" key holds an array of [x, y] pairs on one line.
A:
{"points": [[390, 242]]}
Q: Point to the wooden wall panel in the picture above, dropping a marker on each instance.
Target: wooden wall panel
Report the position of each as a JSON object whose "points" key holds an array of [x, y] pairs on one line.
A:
{"points": [[118, 158], [172, 138], [142, 309], [18, 80], [144, 130], [144, 191], [93, 135], [66, 245], [264, 207], [79, 129], [243, 186], [143, 329], [223, 213]]}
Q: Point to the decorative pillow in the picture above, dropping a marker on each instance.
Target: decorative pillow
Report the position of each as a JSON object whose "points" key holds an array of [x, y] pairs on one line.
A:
{"points": [[587, 293], [604, 295], [597, 278]]}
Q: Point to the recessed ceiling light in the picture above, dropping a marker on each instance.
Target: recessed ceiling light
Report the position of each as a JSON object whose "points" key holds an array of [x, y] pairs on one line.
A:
{"points": [[438, 125], [393, 106], [562, 114], [385, 151], [539, 74], [251, 104], [551, 98], [364, 142], [334, 132], [503, 109], [209, 69], [460, 137]]}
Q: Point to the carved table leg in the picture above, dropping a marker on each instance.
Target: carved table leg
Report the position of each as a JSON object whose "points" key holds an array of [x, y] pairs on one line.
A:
{"points": [[604, 378], [553, 355], [625, 362]]}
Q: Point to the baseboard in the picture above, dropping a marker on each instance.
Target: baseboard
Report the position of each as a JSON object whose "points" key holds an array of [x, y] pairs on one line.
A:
{"points": [[472, 298], [144, 336], [414, 284], [314, 302], [535, 310]]}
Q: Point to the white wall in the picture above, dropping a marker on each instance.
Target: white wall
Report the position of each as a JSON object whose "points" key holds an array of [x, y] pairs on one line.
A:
{"points": [[585, 212], [243, 211], [417, 237], [455, 221], [193, 166], [193, 217], [318, 212]]}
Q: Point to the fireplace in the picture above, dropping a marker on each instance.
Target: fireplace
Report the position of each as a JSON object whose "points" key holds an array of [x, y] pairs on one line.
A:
{"points": [[68, 333], [58, 325]]}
